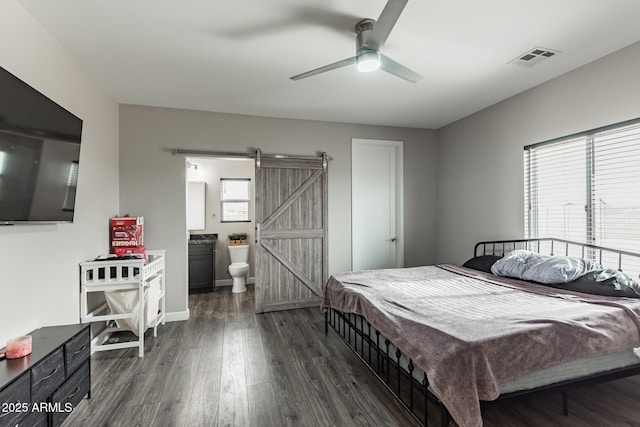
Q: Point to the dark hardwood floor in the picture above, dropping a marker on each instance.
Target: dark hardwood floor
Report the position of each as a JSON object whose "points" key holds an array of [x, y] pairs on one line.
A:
{"points": [[227, 366]]}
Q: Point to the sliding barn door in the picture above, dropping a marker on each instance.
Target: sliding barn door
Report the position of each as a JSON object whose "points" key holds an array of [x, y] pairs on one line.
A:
{"points": [[291, 232]]}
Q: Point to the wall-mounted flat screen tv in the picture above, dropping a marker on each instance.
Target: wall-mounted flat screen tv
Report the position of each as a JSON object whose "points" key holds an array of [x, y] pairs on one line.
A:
{"points": [[39, 155]]}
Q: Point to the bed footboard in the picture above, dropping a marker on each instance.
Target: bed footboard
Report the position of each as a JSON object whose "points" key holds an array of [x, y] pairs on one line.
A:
{"points": [[384, 360], [410, 386]]}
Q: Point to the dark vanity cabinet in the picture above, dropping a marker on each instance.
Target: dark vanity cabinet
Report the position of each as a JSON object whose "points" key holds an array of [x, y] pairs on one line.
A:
{"points": [[202, 273]]}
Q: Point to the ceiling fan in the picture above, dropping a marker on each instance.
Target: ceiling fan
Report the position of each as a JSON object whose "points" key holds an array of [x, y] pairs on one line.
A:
{"points": [[370, 37]]}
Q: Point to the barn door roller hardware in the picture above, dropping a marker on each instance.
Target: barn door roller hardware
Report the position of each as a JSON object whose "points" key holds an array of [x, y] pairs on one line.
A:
{"points": [[255, 155]]}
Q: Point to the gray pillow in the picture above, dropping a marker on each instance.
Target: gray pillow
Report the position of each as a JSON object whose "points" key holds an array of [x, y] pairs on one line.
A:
{"points": [[608, 282], [527, 265], [482, 262], [620, 280]]}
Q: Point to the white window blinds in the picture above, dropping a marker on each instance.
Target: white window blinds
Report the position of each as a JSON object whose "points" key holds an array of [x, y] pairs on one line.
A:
{"points": [[586, 187], [235, 199]]}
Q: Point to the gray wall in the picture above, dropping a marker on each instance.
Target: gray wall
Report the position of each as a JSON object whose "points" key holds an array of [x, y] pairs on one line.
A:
{"points": [[480, 158], [152, 180], [39, 263]]}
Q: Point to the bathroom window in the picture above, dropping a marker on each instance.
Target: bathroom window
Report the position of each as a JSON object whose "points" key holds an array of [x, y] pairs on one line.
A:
{"points": [[235, 200]]}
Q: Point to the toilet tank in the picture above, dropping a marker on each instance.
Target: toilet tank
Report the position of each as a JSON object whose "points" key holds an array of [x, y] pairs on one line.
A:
{"points": [[239, 253]]}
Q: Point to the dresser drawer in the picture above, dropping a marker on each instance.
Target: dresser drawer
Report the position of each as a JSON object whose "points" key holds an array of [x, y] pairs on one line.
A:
{"points": [[15, 401], [35, 419], [47, 375], [71, 393], [77, 350]]}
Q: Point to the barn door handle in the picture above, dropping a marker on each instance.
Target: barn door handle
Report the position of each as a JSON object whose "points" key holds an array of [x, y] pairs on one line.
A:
{"points": [[258, 234], [393, 239]]}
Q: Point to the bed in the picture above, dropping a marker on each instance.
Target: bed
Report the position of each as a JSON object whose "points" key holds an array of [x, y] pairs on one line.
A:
{"points": [[465, 338]]}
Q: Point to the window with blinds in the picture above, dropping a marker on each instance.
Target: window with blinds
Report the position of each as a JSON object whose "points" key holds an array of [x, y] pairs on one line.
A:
{"points": [[586, 187], [235, 199]]}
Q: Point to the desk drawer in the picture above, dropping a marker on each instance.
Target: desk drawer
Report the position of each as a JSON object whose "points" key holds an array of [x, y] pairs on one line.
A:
{"points": [[47, 375], [77, 350], [15, 401], [71, 393]]}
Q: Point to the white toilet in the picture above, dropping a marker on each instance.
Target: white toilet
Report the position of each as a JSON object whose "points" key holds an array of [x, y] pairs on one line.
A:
{"points": [[239, 268]]}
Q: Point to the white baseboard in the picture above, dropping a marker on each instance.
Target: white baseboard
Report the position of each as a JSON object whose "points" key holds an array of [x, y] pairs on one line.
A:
{"points": [[177, 316], [229, 282]]}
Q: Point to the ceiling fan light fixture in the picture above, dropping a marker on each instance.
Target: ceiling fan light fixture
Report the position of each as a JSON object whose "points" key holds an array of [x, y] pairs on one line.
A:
{"points": [[368, 61], [371, 36]]}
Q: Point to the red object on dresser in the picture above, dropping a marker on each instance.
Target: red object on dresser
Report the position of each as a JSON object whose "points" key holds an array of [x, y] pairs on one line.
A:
{"points": [[18, 347]]}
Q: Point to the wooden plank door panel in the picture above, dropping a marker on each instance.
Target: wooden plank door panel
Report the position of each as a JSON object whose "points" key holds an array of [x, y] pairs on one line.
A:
{"points": [[291, 227]]}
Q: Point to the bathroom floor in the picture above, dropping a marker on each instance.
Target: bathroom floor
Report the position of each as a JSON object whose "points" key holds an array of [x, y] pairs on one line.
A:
{"points": [[227, 366]]}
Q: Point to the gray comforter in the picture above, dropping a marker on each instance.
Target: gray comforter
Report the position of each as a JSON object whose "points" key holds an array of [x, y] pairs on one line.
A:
{"points": [[472, 332]]}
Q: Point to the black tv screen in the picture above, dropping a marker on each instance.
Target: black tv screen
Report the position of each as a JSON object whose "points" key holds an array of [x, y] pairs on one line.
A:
{"points": [[39, 155]]}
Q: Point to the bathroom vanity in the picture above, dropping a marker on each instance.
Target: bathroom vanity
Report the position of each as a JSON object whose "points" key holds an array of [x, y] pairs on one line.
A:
{"points": [[202, 263]]}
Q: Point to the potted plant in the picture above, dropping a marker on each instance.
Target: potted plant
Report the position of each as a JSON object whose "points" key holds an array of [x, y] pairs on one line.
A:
{"points": [[237, 239]]}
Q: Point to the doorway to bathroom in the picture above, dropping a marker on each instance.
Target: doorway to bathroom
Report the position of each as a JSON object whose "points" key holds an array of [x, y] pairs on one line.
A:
{"points": [[221, 203], [288, 226]]}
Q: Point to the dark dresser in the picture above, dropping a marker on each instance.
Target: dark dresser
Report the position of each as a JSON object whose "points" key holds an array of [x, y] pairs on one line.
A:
{"points": [[202, 262], [42, 388]]}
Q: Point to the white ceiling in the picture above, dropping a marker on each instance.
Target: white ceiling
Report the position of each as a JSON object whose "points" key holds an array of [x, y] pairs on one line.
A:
{"points": [[237, 56]]}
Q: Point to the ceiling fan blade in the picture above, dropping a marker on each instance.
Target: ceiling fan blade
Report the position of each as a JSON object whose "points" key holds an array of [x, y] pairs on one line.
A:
{"points": [[392, 67], [385, 24], [335, 65], [295, 16]]}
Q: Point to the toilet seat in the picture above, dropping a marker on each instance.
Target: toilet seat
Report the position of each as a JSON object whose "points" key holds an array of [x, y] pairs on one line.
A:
{"points": [[238, 265]]}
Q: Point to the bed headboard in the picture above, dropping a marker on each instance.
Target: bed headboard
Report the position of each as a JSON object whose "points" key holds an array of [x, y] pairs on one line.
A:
{"points": [[626, 261]]}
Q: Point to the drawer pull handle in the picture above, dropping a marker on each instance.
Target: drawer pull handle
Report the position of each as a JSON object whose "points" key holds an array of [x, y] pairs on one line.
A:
{"points": [[74, 393], [52, 372], [80, 351]]}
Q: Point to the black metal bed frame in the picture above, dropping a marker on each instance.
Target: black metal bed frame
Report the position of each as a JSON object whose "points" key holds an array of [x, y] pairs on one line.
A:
{"points": [[414, 395], [558, 247], [376, 355]]}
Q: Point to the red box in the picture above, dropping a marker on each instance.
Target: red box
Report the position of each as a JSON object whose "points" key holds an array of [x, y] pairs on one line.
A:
{"points": [[131, 250], [127, 231]]}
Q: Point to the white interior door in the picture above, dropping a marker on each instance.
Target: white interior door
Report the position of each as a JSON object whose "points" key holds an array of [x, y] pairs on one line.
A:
{"points": [[376, 204]]}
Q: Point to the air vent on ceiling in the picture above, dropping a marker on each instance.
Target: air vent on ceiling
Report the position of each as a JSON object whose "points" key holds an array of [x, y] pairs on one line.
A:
{"points": [[533, 56]]}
